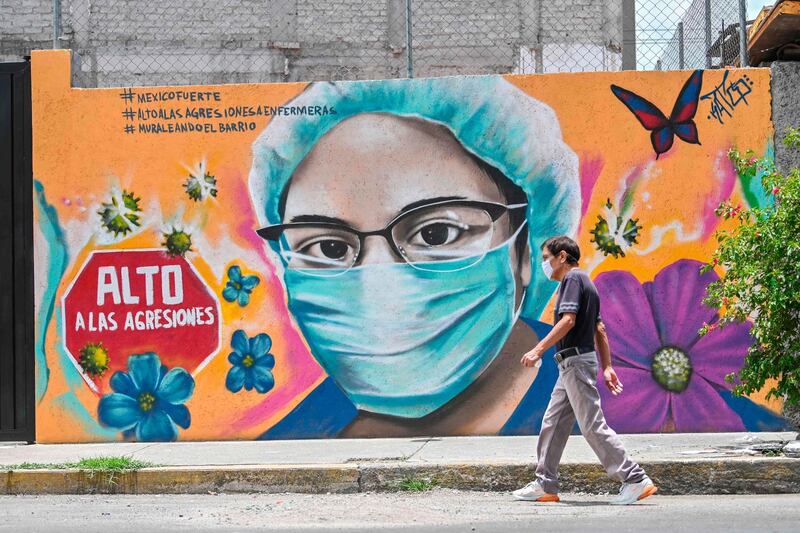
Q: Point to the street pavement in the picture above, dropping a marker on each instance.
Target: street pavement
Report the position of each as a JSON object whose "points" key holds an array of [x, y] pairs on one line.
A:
{"points": [[643, 448], [437, 510]]}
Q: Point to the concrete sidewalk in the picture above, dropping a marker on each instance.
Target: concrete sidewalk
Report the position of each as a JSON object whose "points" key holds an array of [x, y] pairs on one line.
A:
{"points": [[716, 463]]}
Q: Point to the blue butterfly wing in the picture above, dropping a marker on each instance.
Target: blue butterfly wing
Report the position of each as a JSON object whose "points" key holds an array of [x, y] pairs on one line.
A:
{"points": [[662, 139], [645, 112], [687, 131], [686, 104]]}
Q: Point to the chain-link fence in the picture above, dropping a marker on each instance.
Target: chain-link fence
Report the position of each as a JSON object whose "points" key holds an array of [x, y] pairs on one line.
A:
{"points": [[707, 36], [141, 42]]}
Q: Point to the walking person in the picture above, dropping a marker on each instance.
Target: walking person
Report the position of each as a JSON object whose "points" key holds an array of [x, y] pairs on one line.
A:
{"points": [[577, 330]]}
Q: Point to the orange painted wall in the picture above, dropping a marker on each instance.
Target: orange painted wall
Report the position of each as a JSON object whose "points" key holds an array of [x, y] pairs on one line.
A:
{"points": [[82, 154]]}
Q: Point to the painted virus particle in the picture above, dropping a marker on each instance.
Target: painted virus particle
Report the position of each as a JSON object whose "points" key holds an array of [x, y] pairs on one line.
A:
{"points": [[121, 214], [94, 359], [177, 242], [200, 184], [613, 234]]}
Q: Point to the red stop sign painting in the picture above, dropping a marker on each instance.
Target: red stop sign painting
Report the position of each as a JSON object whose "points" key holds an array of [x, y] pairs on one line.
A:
{"points": [[126, 302]]}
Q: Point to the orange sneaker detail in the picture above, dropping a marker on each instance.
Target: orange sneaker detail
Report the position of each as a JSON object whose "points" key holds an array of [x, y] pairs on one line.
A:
{"points": [[648, 491]]}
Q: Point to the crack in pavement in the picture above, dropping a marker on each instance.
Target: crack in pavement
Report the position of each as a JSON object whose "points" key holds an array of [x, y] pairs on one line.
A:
{"points": [[420, 448], [142, 449]]}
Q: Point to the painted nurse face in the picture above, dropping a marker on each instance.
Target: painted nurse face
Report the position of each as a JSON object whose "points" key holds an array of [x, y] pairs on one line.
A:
{"points": [[372, 168]]}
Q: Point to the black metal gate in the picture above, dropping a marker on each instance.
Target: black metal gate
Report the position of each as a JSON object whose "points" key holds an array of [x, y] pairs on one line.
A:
{"points": [[17, 402]]}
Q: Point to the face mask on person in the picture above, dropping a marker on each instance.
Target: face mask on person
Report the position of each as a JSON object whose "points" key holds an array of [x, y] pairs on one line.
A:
{"points": [[548, 269], [402, 341]]}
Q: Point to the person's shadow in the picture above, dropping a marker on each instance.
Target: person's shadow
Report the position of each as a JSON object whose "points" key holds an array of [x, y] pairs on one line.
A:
{"points": [[582, 503]]}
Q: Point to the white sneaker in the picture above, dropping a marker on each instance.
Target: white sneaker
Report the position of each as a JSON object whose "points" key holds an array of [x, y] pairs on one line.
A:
{"points": [[633, 492], [533, 492]]}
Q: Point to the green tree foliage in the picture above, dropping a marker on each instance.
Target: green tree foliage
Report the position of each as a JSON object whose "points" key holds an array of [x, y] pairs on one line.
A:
{"points": [[760, 257]]}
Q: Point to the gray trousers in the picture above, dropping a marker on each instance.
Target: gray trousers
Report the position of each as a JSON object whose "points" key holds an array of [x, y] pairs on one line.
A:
{"points": [[575, 396]]}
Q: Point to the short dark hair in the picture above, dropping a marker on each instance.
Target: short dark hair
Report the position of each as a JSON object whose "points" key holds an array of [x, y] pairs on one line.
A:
{"points": [[513, 194], [562, 243]]}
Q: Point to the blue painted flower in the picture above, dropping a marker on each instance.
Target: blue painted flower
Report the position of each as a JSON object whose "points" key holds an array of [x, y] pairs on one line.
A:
{"points": [[238, 287], [148, 401], [252, 363]]}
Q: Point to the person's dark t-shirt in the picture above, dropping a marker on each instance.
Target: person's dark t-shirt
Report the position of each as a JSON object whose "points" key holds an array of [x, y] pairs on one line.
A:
{"points": [[577, 294]]}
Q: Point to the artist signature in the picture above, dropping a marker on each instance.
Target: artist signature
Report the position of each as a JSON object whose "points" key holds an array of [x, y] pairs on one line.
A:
{"points": [[727, 95]]}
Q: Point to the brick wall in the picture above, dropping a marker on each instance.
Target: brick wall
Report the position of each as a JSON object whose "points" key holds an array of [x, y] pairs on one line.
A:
{"points": [[25, 25], [140, 42]]}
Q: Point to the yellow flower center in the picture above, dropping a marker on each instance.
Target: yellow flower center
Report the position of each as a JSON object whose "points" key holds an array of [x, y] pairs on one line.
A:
{"points": [[248, 361], [147, 401]]}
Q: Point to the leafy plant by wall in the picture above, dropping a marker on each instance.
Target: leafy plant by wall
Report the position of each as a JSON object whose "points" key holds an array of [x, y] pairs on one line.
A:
{"points": [[761, 282]]}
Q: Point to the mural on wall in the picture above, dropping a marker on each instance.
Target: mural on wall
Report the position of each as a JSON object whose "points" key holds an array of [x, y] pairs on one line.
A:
{"points": [[355, 259]]}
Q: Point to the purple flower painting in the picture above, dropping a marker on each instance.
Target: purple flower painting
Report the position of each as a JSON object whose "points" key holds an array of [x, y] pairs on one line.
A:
{"points": [[672, 376]]}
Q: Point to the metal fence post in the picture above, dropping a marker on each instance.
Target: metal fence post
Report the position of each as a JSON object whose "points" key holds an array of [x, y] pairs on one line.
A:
{"points": [[722, 45], [56, 23], [628, 34], [409, 40], [708, 32], [743, 61], [681, 59]]}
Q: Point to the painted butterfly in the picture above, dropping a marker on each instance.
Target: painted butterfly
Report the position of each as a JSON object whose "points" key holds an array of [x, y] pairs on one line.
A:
{"points": [[680, 121]]}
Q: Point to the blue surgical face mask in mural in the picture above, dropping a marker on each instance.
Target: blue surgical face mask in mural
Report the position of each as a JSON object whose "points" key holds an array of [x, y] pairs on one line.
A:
{"points": [[403, 339]]}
